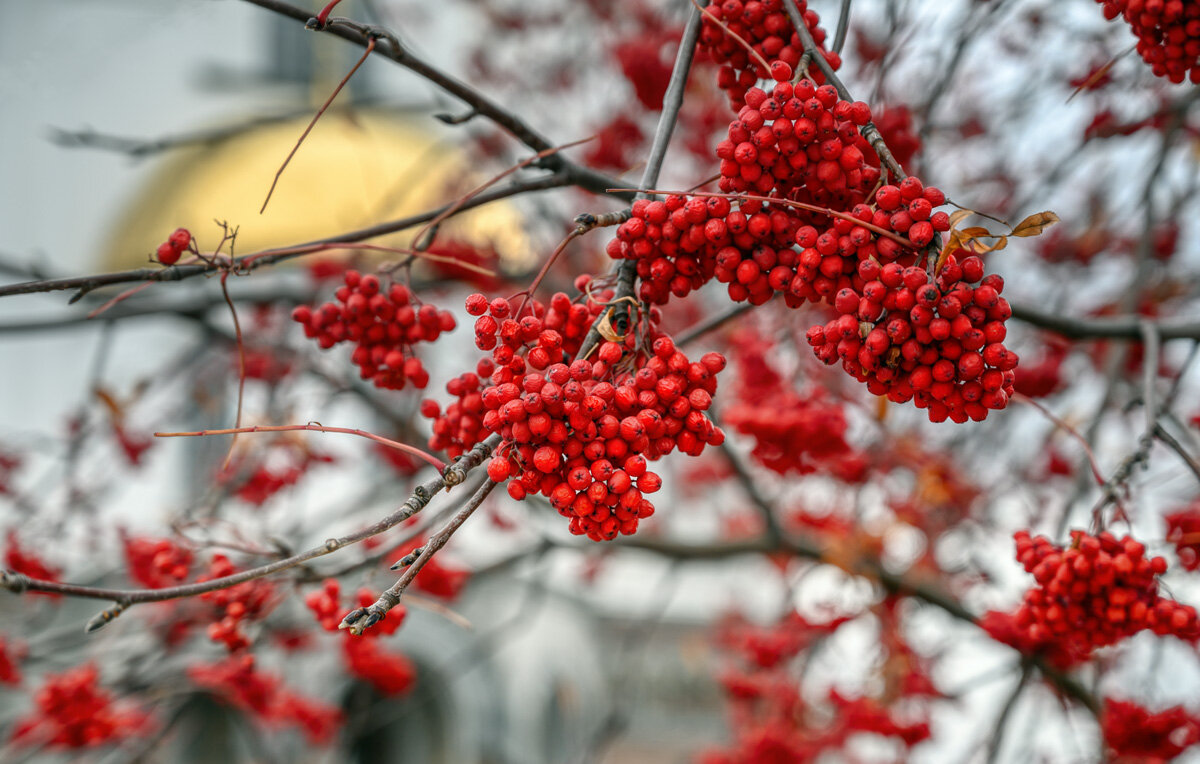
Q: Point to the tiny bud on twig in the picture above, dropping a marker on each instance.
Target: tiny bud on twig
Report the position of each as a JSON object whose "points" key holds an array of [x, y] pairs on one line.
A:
{"points": [[408, 559]]}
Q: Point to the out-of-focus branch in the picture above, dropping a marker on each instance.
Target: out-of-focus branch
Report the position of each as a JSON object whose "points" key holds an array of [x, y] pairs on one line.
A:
{"points": [[1106, 327], [692, 333], [420, 498], [140, 148], [391, 48], [895, 583]]}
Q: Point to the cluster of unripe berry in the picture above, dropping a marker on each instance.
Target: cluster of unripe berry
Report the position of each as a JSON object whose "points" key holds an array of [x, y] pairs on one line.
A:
{"points": [[766, 27], [1168, 33], [169, 252], [72, 711], [1090, 595], [383, 325]]}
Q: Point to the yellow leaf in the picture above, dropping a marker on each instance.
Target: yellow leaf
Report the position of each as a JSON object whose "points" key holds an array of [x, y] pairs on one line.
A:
{"points": [[975, 231], [959, 216], [1035, 224]]}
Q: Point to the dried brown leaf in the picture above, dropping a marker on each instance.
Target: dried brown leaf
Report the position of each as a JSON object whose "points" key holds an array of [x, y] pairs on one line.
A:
{"points": [[606, 329], [1035, 224], [959, 216]]}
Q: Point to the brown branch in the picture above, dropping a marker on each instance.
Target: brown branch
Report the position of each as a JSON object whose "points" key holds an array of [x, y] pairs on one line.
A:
{"points": [[313, 122], [694, 332], [894, 583], [250, 262], [312, 427], [420, 498], [626, 271], [1105, 327], [1171, 442], [869, 131], [356, 621], [480, 104]]}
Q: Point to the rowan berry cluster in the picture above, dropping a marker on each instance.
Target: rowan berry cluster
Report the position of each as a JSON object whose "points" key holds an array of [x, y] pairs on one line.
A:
{"points": [[1093, 594], [73, 712], [1168, 33], [796, 432], [582, 434], [156, 563], [11, 654], [910, 333], [390, 673], [237, 681], [939, 344], [169, 251], [234, 605], [383, 325], [579, 432], [766, 27], [1133, 734], [1183, 530], [21, 560], [460, 426], [542, 335], [802, 142]]}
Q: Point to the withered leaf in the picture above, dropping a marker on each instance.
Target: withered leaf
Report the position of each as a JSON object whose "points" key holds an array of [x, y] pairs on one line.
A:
{"points": [[1035, 224]]}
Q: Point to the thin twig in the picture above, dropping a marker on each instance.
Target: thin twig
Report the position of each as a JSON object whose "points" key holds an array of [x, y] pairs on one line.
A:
{"points": [[313, 427], [1087, 449], [868, 131], [241, 350], [356, 621], [698, 330], [420, 498], [1002, 721], [1170, 441], [423, 238], [361, 34], [839, 37], [312, 123], [246, 263]]}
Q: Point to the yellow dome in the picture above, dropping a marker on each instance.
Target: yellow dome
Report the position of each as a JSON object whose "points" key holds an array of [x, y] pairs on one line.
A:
{"points": [[354, 170]]}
